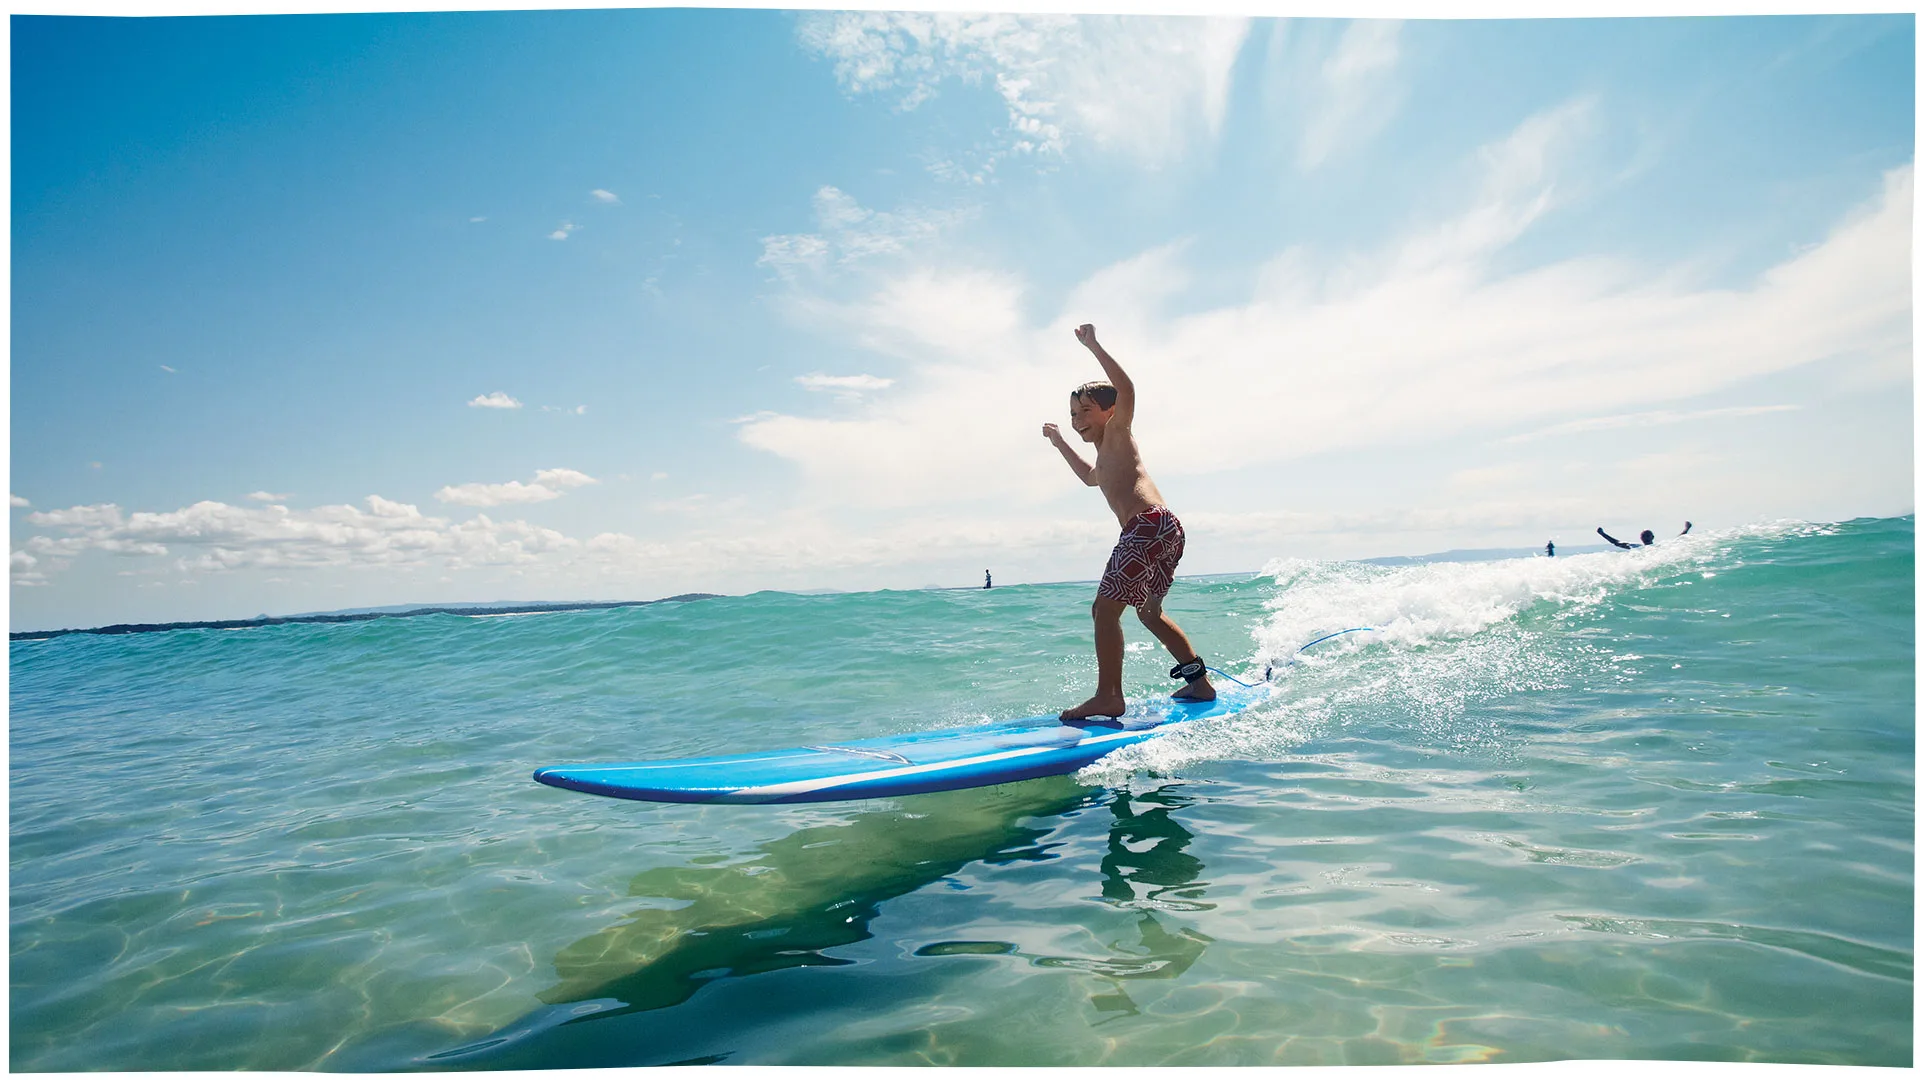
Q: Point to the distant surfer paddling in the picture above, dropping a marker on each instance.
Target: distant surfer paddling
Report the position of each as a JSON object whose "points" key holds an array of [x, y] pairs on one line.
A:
{"points": [[1646, 538], [1140, 571]]}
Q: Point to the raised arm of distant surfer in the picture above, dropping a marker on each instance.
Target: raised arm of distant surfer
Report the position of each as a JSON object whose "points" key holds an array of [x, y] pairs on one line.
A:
{"points": [[1646, 538]]}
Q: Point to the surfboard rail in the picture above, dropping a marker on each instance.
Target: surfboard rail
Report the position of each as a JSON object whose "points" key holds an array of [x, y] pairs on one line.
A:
{"points": [[894, 765]]}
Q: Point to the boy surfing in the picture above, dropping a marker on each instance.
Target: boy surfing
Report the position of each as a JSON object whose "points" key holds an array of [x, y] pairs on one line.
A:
{"points": [[1140, 571]]}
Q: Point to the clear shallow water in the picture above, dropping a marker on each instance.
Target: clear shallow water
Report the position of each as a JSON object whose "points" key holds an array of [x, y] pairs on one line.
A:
{"points": [[1652, 805]]}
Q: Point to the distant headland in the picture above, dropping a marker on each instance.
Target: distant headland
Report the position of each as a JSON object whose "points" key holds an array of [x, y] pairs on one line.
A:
{"points": [[359, 616]]}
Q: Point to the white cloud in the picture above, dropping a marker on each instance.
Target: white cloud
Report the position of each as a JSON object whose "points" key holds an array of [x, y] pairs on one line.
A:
{"points": [[216, 536], [513, 491], [850, 386], [547, 484], [1354, 94], [569, 478], [601, 195], [926, 315], [476, 220], [1655, 418], [103, 515], [1154, 89], [1418, 341], [1519, 183], [496, 400], [21, 569], [786, 254], [566, 229], [211, 537], [850, 233], [267, 496], [168, 370], [17, 500]]}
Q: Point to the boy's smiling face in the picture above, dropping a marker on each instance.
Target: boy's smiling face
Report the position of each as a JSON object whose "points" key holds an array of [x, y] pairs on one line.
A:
{"points": [[1087, 417]]}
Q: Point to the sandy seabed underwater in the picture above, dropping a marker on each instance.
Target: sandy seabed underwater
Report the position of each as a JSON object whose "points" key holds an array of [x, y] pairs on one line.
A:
{"points": [[1617, 805]]}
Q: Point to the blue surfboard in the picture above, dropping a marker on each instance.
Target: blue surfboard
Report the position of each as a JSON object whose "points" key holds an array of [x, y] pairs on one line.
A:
{"points": [[908, 764]]}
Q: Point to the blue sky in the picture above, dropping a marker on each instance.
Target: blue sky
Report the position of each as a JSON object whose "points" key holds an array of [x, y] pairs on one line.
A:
{"points": [[323, 311]]}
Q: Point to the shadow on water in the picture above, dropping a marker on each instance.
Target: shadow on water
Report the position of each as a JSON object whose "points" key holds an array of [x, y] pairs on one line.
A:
{"points": [[803, 894], [1146, 868], [819, 888]]}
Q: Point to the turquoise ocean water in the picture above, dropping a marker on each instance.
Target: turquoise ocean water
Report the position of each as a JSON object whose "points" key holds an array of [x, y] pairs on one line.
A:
{"points": [[1621, 805]]}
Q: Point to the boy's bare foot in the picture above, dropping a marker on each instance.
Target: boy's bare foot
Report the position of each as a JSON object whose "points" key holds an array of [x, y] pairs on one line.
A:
{"points": [[1196, 691], [1096, 705]]}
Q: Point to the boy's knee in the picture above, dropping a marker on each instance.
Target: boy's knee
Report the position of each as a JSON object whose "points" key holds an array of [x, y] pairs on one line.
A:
{"points": [[1106, 607]]}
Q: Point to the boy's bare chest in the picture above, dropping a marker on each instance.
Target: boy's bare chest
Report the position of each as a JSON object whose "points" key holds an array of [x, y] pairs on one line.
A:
{"points": [[1116, 461], [1119, 452]]}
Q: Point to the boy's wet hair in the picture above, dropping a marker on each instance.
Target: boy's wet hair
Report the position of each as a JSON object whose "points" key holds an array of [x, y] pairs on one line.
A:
{"points": [[1102, 393]]}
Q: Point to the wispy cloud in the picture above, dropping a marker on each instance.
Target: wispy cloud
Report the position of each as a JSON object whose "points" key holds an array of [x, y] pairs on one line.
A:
{"points": [[601, 195], [267, 497], [1354, 93], [1422, 339], [1655, 418], [499, 399], [17, 500], [844, 386], [850, 233], [1062, 78], [565, 229], [547, 484], [168, 370]]}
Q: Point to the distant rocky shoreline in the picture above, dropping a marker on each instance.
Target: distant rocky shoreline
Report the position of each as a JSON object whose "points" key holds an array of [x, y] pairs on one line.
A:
{"points": [[358, 616]]}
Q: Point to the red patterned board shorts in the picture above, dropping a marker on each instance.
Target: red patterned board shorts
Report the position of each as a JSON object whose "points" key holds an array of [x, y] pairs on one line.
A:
{"points": [[1141, 568]]}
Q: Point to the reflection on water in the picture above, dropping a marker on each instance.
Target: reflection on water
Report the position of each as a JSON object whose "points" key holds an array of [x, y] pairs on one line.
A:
{"points": [[821, 887], [1147, 864], [1146, 867], [805, 893]]}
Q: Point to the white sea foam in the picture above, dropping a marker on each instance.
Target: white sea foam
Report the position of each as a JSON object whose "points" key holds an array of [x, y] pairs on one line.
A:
{"points": [[1445, 638], [1430, 602]]}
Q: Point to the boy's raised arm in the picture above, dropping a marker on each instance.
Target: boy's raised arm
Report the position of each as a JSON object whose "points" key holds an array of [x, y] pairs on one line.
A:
{"points": [[1074, 461], [1123, 386]]}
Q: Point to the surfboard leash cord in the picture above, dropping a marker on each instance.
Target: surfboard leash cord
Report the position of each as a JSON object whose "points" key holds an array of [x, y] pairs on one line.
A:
{"points": [[1268, 677]]}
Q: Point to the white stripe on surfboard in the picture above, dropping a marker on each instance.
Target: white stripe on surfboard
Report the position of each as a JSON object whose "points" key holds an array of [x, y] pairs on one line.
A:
{"points": [[796, 787]]}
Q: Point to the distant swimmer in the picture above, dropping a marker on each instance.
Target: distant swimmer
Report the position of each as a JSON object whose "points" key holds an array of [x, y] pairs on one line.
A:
{"points": [[989, 583], [1646, 538], [1549, 549]]}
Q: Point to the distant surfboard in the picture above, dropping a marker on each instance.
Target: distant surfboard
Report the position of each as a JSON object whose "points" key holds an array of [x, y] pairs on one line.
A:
{"points": [[909, 764]]}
